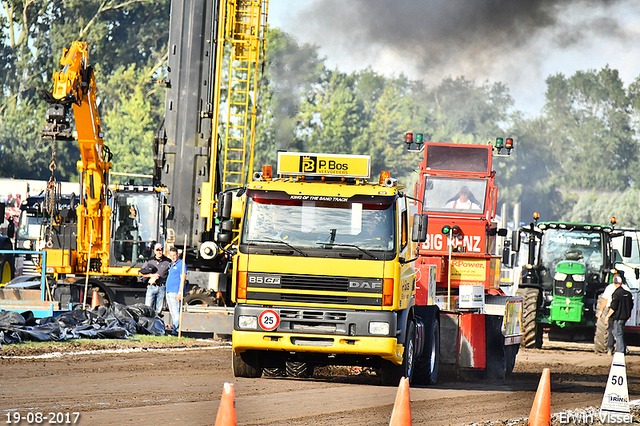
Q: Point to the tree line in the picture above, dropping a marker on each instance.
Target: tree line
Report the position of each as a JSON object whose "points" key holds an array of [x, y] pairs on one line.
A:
{"points": [[576, 160]]}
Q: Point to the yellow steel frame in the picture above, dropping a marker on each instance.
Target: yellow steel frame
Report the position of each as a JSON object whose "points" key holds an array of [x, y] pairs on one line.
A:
{"points": [[242, 24]]}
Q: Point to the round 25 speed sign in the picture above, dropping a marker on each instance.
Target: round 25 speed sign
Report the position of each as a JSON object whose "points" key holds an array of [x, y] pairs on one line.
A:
{"points": [[269, 320]]}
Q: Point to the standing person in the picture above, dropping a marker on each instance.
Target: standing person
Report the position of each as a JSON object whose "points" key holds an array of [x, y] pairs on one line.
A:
{"points": [[177, 272], [604, 308], [155, 272], [619, 312]]}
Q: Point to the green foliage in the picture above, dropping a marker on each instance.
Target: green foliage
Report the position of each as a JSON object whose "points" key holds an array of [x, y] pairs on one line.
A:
{"points": [[600, 208], [467, 113], [590, 126], [129, 123], [120, 34]]}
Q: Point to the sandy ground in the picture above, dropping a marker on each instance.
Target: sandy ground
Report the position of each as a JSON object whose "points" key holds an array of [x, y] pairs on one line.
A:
{"points": [[181, 384]]}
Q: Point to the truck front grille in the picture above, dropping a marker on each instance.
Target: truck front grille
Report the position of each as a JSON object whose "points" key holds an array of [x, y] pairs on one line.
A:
{"points": [[312, 282], [319, 289]]}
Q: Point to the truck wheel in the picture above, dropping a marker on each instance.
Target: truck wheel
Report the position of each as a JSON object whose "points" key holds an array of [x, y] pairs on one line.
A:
{"points": [[601, 332], [298, 369], [6, 271], [201, 297], [392, 373], [246, 365], [105, 297], [510, 352], [426, 370], [531, 330]]}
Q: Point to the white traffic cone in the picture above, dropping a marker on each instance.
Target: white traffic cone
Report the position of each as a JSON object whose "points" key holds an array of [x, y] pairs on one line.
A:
{"points": [[615, 402]]}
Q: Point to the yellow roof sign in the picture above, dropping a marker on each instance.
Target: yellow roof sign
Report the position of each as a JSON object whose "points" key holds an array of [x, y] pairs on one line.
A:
{"points": [[297, 163]]}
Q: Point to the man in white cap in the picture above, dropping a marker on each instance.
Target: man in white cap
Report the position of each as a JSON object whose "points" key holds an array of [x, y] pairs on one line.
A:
{"points": [[154, 273], [603, 309], [620, 310]]}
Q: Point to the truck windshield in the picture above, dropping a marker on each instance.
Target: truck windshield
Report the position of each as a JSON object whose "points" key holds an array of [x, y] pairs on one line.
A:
{"points": [[455, 195], [565, 244], [320, 223]]}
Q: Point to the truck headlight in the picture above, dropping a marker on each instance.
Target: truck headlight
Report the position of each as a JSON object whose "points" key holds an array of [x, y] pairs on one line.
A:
{"points": [[559, 276], [248, 322], [379, 328], [578, 278]]}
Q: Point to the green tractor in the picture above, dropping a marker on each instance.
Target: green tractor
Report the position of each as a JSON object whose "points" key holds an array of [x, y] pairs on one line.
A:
{"points": [[565, 269]]}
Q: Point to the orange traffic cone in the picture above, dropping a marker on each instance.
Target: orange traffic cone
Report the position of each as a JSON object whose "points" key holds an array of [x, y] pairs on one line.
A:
{"points": [[227, 411], [401, 414], [540, 414], [95, 302]]}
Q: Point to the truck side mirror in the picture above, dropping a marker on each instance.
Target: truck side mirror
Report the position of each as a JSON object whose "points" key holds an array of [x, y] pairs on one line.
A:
{"points": [[515, 240], [506, 254], [225, 233], [419, 228], [506, 257], [225, 201], [502, 232], [627, 246], [171, 211]]}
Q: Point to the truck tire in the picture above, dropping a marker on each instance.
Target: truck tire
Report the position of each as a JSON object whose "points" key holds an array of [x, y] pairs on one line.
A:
{"points": [[496, 350], [510, 352], [298, 369], [531, 330], [426, 369], [601, 332], [392, 373], [201, 297], [274, 372], [246, 364]]}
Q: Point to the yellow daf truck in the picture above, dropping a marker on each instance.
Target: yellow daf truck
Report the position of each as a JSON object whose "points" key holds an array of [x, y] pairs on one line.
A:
{"points": [[324, 273]]}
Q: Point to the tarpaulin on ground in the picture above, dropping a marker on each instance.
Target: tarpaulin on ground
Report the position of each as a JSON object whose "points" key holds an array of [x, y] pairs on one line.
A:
{"points": [[117, 322]]}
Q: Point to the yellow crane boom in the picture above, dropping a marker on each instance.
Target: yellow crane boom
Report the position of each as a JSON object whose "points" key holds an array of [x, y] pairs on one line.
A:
{"points": [[75, 85]]}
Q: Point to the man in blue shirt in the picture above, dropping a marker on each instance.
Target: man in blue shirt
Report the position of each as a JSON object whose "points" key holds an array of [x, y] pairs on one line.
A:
{"points": [[175, 287]]}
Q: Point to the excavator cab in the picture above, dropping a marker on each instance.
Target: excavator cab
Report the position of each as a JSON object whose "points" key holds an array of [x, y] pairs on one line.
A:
{"points": [[138, 223]]}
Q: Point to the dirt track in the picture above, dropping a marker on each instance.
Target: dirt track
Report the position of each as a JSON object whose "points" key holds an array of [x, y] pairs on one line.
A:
{"points": [[183, 385]]}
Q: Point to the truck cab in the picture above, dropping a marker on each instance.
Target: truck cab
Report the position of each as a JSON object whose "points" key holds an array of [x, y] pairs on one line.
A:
{"points": [[323, 272]]}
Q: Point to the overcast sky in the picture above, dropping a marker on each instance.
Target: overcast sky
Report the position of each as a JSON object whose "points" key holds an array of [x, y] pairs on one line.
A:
{"points": [[517, 42]]}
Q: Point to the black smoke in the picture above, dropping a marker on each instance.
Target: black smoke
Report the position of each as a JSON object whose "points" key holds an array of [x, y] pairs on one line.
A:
{"points": [[470, 34]]}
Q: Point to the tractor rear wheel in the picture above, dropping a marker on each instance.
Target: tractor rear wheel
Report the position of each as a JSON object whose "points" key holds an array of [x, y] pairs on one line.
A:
{"points": [[601, 332], [531, 330], [298, 369], [201, 297]]}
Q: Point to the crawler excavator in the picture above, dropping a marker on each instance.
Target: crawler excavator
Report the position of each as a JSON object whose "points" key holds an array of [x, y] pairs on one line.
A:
{"points": [[93, 244]]}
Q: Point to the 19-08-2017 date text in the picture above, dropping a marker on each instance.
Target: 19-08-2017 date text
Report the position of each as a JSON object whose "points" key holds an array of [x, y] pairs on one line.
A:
{"points": [[37, 418]]}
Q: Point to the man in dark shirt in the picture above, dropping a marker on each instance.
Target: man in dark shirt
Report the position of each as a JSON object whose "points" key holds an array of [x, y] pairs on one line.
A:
{"points": [[619, 313], [154, 273]]}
